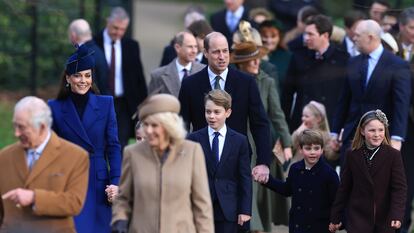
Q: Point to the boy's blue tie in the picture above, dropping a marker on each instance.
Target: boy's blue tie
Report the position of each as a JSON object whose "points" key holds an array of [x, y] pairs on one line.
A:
{"points": [[215, 146]]}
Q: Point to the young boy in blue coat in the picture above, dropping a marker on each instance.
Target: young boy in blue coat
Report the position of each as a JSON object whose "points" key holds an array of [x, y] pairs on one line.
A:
{"points": [[228, 164], [312, 183]]}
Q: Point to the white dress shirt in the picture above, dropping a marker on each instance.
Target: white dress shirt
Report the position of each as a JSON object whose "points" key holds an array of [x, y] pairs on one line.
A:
{"points": [[107, 41], [180, 69], [222, 137], [212, 77]]}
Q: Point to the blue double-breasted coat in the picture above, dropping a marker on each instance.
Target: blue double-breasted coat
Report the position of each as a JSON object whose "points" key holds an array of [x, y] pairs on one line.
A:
{"points": [[97, 133]]}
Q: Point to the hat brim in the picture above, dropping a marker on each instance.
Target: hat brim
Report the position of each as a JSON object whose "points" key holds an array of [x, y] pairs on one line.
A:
{"points": [[236, 59]]}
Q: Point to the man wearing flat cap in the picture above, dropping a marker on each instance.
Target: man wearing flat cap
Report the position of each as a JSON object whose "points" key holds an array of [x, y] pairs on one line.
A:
{"points": [[247, 104], [43, 177]]}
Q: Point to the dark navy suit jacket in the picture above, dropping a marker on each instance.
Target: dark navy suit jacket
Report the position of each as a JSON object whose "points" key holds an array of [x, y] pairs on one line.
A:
{"points": [[313, 193], [230, 180], [97, 133], [246, 106], [389, 89]]}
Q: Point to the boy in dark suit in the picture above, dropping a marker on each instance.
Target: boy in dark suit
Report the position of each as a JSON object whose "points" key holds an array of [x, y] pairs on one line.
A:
{"points": [[312, 183], [228, 164]]}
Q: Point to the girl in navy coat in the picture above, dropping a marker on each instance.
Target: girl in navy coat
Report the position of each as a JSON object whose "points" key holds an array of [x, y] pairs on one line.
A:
{"points": [[88, 120], [312, 183]]}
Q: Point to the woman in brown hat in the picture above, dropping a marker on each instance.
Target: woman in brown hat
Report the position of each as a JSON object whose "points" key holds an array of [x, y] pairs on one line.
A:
{"points": [[247, 56], [164, 185]]}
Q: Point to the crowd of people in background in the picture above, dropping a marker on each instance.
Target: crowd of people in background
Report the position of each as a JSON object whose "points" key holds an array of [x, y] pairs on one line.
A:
{"points": [[247, 108]]}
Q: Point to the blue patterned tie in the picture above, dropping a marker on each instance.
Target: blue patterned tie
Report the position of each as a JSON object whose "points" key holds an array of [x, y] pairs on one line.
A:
{"points": [[215, 146], [32, 157], [217, 83]]}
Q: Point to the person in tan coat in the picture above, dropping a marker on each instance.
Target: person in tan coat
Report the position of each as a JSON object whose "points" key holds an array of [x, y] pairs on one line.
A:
{"points": [[44, 177], [164, 185]]}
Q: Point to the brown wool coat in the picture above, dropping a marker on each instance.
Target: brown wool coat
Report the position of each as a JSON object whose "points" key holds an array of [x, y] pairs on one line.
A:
{"points": [[171, 198], [59, 179], [372, 201]]}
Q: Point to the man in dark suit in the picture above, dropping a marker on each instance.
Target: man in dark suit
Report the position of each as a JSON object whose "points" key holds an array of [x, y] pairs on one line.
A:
{"points": [[126, 81], [376, 79], [228, 164], [44, 177], [315, 73], [167, 79], [247, 105], [351, 19], [227, 20], [80, 34], [406, 52]]}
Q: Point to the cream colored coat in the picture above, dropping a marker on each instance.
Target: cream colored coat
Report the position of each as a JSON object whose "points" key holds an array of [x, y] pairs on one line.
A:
{"points": [[59, 180], [169, 198]]}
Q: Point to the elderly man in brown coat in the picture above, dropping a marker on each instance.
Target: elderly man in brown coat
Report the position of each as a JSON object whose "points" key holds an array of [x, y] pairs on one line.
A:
{"points": [[44, 177]]}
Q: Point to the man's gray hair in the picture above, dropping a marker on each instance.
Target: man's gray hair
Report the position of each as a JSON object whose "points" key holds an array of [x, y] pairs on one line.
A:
{"points": [[407, 15], [39, 112], [371, 27], [118, 13], [81, 28]]}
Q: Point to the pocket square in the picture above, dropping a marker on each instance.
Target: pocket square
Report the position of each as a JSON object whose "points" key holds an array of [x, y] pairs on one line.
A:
{"points": [[57, 174]]}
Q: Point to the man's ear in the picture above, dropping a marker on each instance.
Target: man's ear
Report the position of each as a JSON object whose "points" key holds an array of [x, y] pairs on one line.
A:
{"points": [[228, 113]]}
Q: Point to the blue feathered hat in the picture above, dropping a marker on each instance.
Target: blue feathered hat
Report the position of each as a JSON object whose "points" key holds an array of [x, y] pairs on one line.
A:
{"points": [[81, 60]]}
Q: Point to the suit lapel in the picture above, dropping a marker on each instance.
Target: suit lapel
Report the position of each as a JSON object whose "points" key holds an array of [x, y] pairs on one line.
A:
{"points": [[227, 147], [171, 79], [378, 70], [91, 113], [49, 154], [205, 143], [71, 117], [361, 164], [230, 82], [20, 163], [379, 160]]}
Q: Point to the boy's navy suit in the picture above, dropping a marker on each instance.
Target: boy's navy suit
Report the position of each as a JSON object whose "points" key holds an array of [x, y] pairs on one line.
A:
{"points": [[229, 179]]}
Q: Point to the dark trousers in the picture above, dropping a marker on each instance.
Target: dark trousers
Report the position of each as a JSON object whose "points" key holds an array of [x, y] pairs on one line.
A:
{"points": [[407, 152], [126, 125], [222, 225]]}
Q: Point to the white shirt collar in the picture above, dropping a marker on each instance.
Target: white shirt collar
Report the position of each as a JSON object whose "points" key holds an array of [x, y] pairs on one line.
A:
{"points": [[41, 147], [222, 131], [376, 54], [180, 67], [212, 77], [199, 57], [107, 39]]}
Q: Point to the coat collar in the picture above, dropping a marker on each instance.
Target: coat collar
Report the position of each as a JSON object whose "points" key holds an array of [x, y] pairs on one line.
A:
{"points": [[81, 126], [170, 77], [49, 154]]}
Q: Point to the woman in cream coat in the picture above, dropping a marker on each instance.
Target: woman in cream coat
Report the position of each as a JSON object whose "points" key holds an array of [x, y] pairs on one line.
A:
{"points": [[164, 186]]}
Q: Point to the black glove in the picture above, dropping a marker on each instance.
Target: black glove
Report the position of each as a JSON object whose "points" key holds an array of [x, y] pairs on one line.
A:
{"points": [[120, 226]]}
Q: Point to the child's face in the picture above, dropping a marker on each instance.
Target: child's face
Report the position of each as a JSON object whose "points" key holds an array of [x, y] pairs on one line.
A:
{"points": [[216, 115], [311, 154], [374, 133], [309, 119]]}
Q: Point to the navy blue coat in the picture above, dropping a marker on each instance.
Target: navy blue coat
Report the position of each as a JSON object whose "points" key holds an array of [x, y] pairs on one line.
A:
{"points": [[313, 193], [389, 89], [246, 106], [97, 133], [230, 181]]}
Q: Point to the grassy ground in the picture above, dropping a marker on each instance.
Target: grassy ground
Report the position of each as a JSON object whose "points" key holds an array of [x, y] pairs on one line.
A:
{"points": [[6, 128]]}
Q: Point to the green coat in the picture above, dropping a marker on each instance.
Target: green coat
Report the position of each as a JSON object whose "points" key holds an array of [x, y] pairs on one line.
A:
{"points": [[271, 102]]}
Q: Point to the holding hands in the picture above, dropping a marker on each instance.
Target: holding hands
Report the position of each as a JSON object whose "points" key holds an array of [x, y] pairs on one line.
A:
{"points": [[111, 192], [260, 174], [334, 227]]}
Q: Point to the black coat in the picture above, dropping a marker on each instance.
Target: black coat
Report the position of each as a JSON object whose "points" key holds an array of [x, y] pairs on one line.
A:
{"points": [[135, 87], [312, 79]]}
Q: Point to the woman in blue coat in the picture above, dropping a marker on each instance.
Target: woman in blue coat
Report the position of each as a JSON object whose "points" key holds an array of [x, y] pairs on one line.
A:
{"points": [[88, 120]]}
